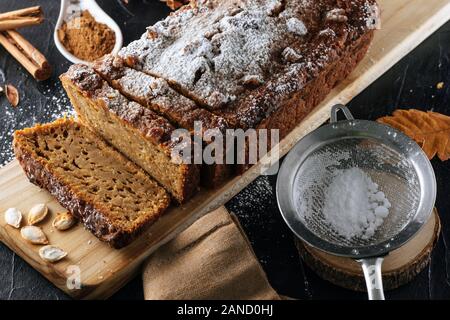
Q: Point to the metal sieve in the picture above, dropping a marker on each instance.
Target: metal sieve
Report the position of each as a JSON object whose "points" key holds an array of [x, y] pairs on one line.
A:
{"points": [[391, 159]]}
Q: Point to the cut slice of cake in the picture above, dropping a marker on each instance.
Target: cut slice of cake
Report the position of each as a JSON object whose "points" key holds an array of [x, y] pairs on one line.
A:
{"points": [[115, 199], [157, 95], [138, 132]]}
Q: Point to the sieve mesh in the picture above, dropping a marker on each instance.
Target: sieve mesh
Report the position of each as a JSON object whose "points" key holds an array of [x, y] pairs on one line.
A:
{"points": [[394, 174]]}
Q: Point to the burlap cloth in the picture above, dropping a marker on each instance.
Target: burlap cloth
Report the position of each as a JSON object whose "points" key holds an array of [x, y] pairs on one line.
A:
{"points": [[212, 259]]}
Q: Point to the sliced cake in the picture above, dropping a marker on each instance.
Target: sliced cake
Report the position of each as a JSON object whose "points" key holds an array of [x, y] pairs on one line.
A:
{"points": [[257, 62], [138, 132], [115, 199], [156, 94]]}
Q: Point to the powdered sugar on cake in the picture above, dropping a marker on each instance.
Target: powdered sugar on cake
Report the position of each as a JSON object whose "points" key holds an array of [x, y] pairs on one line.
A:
{"points": [[250, 53], [296, 26], [213, 60]]}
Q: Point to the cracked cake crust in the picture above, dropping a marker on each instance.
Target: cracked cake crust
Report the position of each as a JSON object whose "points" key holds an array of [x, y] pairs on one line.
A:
{"points": [[232, 57]]}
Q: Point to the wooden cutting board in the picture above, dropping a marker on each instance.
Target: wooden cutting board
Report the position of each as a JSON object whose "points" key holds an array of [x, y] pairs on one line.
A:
{"points": [[102, 270]]}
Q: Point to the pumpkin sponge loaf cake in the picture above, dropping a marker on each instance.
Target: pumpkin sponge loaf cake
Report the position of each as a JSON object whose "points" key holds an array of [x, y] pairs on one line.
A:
{"points": [[255, 61], [136, 131], [115, 199], [156, 94]]}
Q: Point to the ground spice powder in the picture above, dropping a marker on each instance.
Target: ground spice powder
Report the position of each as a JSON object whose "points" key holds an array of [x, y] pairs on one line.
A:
{"points": [[86, 38]]}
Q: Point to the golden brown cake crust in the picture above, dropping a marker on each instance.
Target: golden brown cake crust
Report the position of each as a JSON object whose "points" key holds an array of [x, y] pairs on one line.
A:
{"points": [[91, 85]]}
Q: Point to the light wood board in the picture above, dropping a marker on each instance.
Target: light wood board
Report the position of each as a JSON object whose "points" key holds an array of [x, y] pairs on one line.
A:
{"points": [[405, 23]]}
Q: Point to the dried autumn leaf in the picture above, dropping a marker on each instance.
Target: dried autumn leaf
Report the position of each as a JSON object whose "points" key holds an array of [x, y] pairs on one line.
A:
{"points": [[12, 95], [431, 130]]}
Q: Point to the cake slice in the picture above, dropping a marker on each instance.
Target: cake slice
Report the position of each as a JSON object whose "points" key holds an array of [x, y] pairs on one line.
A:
{"points": [[157, 95], [138, 132], [113, 198]]}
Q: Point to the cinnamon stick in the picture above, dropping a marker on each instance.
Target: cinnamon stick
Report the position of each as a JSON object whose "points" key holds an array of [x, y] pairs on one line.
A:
{"points": [[19, 23], [27, 55], [21, 18], [30, 11]]}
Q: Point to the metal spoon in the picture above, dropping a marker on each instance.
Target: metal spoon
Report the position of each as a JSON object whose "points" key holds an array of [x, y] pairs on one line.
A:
{"points": [[72, 7]]}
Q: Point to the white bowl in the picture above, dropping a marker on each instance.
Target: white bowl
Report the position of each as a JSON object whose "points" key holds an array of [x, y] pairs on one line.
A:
{"points": [[99, 16]]}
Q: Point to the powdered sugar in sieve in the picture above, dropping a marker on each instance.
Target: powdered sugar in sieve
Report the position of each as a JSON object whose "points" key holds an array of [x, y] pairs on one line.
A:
{"points": [[343, 189]]}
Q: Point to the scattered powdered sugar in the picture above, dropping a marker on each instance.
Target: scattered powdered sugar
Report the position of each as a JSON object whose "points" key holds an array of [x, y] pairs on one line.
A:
{"points": [[291, 55], [257, 210], [296, 26], [372, 18], [2, 76], [256, 206], [137, 84], [336, 15], [51, 105], [354, 206], [248, 200], [327, 32]]}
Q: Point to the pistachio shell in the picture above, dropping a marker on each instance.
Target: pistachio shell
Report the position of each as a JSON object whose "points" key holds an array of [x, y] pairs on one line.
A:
{"points": [[37, 213], [52, 253], [63, 221], [13, 217], [34, 235]]}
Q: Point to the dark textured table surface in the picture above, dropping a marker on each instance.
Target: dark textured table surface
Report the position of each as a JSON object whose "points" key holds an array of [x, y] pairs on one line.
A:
{"points": [[409, 84]]}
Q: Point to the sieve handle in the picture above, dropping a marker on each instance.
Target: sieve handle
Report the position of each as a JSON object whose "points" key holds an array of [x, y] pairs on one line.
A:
{"points": [[340, 107], [372, 274]]}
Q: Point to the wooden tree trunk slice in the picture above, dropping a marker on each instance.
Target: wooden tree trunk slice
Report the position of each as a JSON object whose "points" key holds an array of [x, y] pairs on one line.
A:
{"points": [[399, 267]]}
